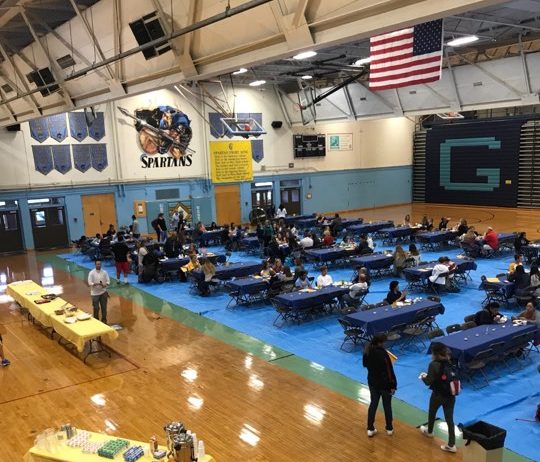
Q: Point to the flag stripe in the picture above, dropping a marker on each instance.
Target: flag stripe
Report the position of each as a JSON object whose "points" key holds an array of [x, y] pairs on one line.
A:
{"points": [[391, 63], [408, 39], [391, 83], [406, 57]]}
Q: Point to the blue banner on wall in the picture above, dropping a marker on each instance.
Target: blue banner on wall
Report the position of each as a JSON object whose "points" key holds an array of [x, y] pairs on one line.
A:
{"points": [[81, 157], [43, 160], [57, 126], [257, 150], [77, 125], [98, 152], [97, 129], [62, 158], [39, 129], [473, 163]]}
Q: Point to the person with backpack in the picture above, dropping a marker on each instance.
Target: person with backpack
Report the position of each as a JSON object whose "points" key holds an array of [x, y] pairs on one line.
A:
{"points": [[160, 227], [381, 380], [443, 379]]}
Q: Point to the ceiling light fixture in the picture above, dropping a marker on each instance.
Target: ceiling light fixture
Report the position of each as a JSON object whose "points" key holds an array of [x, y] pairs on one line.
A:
{"points": [[305, 55], [257, 83], [242, 70], [307, 77], [462, 41], [362, 61]]}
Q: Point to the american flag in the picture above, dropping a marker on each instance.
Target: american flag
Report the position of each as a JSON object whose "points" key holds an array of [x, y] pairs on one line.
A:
{"points": [[406, 57]]}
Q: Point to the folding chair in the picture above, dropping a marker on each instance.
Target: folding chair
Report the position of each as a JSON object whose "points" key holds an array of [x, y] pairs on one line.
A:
{"points": [[516, 349], [284, 313], [477, 364], [435, 333], [353, 334], [453, 328], [395, 334], [467, 325], [494, 292], [414, 282]]}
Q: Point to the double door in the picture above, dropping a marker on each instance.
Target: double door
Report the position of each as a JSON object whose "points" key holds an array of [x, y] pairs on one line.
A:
{"points": [[99, 211], [11, 236], [49, 227], [290, 199]]}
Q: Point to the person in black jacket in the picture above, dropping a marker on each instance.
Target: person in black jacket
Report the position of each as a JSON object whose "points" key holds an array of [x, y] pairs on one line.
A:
{"points": [[381, 380], [488, 315], [439, 396]]}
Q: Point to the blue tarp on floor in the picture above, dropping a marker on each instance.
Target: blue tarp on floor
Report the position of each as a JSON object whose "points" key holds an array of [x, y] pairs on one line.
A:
{"points": [[512, 395]]}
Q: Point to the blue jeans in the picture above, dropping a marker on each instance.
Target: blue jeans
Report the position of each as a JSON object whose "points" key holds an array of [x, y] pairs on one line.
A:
{"points": [[376, 395]]}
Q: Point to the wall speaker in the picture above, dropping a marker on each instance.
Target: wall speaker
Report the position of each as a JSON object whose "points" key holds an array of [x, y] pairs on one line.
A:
{"points": [[14, 128], [277, 124]]}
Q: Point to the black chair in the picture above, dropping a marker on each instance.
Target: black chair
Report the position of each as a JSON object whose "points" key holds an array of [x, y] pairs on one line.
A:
{"points": [[414, 282], [516, 349], [284, 313], [477, 364], [453, 328], [494, 292], [353, 334], [434, 298], [469, 318], [435, 333], [468, 325], [395, 334]]}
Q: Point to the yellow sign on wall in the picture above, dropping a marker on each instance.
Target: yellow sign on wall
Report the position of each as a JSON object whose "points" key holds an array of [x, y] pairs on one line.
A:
{"points": [[231, 161]]}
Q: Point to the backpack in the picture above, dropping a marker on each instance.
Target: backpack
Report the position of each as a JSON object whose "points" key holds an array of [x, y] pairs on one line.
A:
{"points": [[448, 383], [154, 223]]}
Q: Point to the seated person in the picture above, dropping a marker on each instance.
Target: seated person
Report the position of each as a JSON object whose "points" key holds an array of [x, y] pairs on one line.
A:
{"points": [[427, 223], [347, 242], [440, 272], [286, 275], [521, 280], [469, 242], [363, 246], [265, 270], [361, 271], [534, 275], [306, 242], [488, 315], [328, 240], [192, 264], [414, 254], [320, 219], [529, 314], [462, 227], [394, 295], [316, 240], [273, 250], [150, 265], [518, 261], [443, 224], [171, 246], [324, 279], [298, 268], [281, 211], [399, 260], [278, 265], [491, 240], [355, 291], [407, 221], [302, 282], [520, 241], [209, 271]]}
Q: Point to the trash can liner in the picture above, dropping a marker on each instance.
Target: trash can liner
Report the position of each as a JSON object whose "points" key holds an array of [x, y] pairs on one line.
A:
{"points": [[486, 435]]}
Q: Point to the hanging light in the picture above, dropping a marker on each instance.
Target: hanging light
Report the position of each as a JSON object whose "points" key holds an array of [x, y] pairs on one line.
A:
{"points": [[362, 61], [462, 41], [305, 55], [306, 77], [257, 83], [242, 70]]}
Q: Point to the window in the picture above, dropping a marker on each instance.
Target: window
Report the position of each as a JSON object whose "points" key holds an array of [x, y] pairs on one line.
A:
{"points": [[290, 183], [39, 218], [10, 221]]}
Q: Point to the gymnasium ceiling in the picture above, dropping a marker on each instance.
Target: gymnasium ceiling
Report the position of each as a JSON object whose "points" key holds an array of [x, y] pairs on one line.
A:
{"points": [[92, 55]]}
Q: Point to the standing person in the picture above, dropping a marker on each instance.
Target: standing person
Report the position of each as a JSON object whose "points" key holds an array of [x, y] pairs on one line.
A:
{"points": [[121, 251], [281, 212], [142, 251], [3, 360], [382, 382], [98, 280], [135, 231], [439, 377], [175, 221], [160, 227]]}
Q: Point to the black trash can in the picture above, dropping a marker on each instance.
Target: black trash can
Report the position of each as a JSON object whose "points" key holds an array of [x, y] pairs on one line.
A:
{"points": [[484, 442]]}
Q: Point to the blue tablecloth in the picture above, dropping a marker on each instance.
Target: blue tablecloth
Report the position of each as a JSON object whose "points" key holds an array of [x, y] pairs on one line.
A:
{"points": [[234, 270], [435, 237], [366, 228], [531, 251], [250, 242], [477, 339], [373, 261], [301, 300], [174, 264], [327, 254], [504, 285], [506, 238], [211, 236], [248, 286], [345, 222], [424, 270], [382, 319], [398, 231], [294, 218]]}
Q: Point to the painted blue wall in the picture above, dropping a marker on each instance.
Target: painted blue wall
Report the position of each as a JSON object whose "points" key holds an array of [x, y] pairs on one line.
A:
{"points": [[331, 191]]}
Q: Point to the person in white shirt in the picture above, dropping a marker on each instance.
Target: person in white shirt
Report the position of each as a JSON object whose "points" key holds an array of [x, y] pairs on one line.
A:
{"points": [[302, 282], [281, 212], [440, 272], [98, 280], [355, 291], [370, 243], [324, 279], [306, 242]]}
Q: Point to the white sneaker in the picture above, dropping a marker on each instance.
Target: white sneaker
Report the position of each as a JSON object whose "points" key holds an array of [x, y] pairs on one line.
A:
{"points": [[371, 433], [424, 430], [389, 432], [447, 448]]}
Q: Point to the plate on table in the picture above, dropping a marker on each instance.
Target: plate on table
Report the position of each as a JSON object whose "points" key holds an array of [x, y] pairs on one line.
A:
{"points": [[70, 320], [83, 317]]}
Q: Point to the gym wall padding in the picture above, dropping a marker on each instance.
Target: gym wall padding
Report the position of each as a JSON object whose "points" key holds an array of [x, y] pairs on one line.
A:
{"points": [[473, 163]]}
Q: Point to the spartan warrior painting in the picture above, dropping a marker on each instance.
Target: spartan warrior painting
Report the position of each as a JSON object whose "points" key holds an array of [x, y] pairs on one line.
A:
{"points": [[162, 130]]}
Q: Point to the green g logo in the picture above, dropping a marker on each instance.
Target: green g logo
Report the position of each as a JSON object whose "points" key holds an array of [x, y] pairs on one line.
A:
{"points": [[493, 174]]}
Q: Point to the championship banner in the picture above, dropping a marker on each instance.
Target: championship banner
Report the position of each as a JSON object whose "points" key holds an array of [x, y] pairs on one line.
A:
{"points": [[57, 127], [77, 125], [39, 129], [231, 161], [81, 157], [97, 129], [43, 160], [98, 152], [62, 158]]}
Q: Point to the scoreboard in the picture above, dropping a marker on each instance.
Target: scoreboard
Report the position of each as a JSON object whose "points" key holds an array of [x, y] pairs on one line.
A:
{"points": [[309, 145]]}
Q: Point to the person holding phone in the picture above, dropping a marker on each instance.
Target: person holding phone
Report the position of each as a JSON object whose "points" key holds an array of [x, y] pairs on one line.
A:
{"points": [[98, 280]]}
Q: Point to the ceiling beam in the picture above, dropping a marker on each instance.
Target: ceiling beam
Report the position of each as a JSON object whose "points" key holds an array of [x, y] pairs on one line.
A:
{"points": [[55, 68]]}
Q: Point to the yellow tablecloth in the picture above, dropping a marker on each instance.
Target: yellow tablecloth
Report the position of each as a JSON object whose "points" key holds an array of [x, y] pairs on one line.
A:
{"points": [[67, 454], [26, 292]]}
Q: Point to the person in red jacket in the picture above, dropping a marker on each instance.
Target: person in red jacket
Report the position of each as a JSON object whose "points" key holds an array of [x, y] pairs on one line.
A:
{"points": [[491, 240]]}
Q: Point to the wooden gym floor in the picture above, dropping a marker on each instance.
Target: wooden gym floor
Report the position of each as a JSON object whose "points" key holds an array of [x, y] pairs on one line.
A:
{"points": [[243, 403]]}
